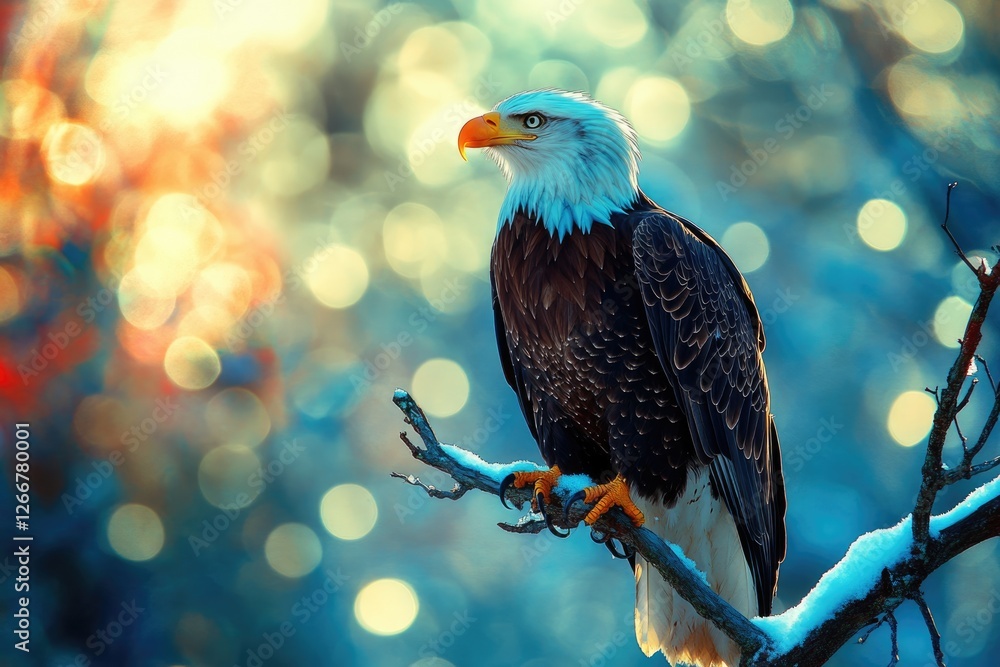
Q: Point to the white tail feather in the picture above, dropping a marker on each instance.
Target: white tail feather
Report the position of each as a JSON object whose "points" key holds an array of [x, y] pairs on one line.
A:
{"points": [[703, 528]]}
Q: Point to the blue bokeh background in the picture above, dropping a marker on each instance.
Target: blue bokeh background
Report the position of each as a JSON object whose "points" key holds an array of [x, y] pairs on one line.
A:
{"points": [[254, 217]]}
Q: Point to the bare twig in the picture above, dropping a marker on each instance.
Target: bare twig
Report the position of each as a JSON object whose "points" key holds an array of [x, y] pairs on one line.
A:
{"points": [[454, 494], [986, 368], [944, 226], [894, 637], [934, 476], [925, 611]]}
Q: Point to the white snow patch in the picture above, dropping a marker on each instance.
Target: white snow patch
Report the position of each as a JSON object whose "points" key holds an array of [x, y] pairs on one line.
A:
{"points": [[495, 471], [848, 580], [570, 484], [688, 563], [858, 570], [972, 502]]}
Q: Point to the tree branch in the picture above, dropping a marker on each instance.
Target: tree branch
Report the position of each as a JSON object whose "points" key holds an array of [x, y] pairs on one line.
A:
{"points": [[470, 471], [807, 634], [881, 570]]}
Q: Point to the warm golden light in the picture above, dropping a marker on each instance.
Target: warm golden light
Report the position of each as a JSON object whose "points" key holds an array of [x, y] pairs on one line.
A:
{"points": [[293, 550], [747, 244], [658, 107], [759, 22], [881, 224], [10, 299], [950, 318], [27, 111], [441, 386], [340, 277], [143, 305], [910, 417], [191, 363], [386, 607], [934, 26], [135, 532], [228, 476], [348, 511], [74, 153]]}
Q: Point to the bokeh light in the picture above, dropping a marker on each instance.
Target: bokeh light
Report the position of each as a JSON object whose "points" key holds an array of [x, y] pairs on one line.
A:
{"points": [[747, 244], [759, 22], [340, 277], [910, 417], [881, 224], [135, 532], [74, 153], [191, 363], [293, 550], [386, 606], [658, 107], [237, 415], [934, 26], [230, 476], [142, 304], [441, 386], [950, 318], [9, 295], [229, 230], [348, 511]]}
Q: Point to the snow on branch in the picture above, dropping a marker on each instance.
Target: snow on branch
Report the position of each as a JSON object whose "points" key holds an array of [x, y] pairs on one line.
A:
{"points": [[880, 571]]}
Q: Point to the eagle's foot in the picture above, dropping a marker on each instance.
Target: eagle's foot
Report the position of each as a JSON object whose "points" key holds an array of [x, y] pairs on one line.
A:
{"points": [[544, 481], [604, 497]]}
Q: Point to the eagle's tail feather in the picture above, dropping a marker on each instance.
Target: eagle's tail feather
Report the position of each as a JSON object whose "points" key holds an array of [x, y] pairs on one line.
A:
{"points": [[702, 527]]}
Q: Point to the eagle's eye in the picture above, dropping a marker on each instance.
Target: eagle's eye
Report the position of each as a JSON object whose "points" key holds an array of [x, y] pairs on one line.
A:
{"points": [[534, 121]]}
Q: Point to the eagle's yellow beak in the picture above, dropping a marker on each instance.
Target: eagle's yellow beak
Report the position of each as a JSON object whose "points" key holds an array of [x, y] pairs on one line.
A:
{"points": [[488, 130]]}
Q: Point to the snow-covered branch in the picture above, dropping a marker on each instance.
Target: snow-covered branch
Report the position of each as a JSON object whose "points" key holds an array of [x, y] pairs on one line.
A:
{"points": [[881, 570]]}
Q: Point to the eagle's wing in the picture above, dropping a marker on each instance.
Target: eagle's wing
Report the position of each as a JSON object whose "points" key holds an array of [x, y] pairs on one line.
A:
{"points": [[709, 339], [513, 373]]}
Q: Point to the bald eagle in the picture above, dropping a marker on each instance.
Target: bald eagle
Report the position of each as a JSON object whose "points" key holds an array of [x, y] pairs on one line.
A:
{"points": [[634, 347]]}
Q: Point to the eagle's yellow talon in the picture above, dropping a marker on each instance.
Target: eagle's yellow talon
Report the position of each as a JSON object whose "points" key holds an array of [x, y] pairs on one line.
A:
{"points": [[544, 481], [606, 496]]}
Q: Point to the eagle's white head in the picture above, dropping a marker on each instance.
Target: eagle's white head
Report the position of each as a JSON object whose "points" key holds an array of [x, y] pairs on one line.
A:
{"points": [[569, 160]]}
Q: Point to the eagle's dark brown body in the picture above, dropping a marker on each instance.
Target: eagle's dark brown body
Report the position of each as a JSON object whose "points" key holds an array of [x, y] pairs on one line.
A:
{"points": [[634, 348], [578, 334]]}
